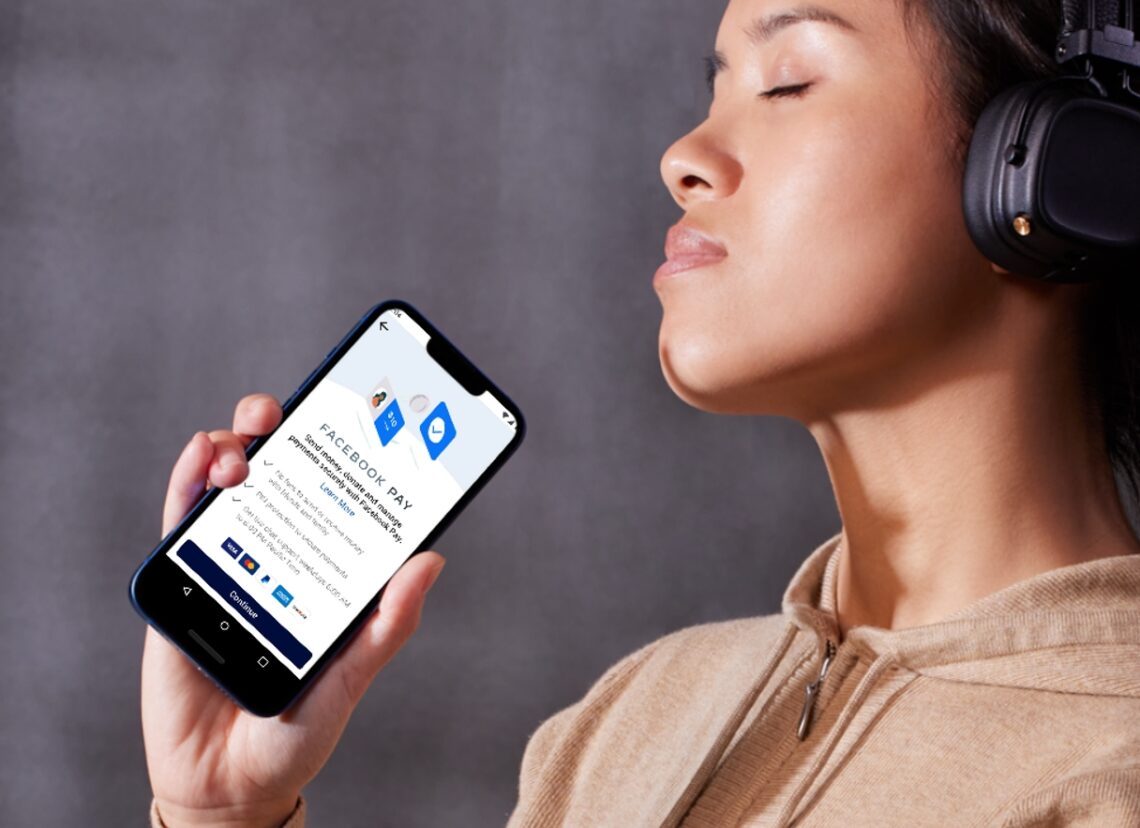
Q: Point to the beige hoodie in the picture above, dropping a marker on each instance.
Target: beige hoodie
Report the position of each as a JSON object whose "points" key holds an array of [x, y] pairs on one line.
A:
{"points": [[1020, 709]]}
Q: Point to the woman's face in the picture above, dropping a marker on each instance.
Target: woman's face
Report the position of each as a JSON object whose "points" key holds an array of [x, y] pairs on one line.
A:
{"points": [[831, 259]]}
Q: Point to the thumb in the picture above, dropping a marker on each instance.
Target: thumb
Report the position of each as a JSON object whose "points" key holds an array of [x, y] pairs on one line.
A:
{"points": [[338, 691]]}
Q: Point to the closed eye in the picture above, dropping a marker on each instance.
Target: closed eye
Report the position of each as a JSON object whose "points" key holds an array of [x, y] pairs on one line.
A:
{"points": [[786, 91]]}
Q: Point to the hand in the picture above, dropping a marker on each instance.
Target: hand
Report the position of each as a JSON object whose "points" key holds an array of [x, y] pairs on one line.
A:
{"points": [[210, 762]]}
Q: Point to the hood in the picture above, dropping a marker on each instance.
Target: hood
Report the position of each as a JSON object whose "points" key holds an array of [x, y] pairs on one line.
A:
{"points": [[1074, 629]]}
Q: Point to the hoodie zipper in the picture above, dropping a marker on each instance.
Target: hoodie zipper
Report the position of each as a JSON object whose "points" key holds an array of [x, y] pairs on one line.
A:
{"points": [[812, 690]]}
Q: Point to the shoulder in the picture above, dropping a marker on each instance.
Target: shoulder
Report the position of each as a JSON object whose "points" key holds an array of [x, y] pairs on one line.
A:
{"points": [[702, 647], [691, 657], [676, 684]]}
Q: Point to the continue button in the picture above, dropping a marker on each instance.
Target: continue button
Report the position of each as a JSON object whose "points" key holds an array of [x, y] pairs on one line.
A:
{"points": [[237, 597]]}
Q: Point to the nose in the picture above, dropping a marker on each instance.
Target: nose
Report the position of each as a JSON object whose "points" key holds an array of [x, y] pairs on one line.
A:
{"points": [[698, 168]]}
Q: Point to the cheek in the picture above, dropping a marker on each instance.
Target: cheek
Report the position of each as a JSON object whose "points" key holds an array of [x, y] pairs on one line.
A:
{"points": [[847, 195], [847, 245], [860, 224]]}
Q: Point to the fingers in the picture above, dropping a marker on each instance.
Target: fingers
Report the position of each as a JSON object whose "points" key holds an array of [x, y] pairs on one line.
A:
{"points": [[187, 480], [400, 607], [337, 692], [217, 458], [255, 416], [229, 466]]}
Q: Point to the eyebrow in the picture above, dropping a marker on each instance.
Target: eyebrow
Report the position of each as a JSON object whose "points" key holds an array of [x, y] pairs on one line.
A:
{"points": [[763, 29]]}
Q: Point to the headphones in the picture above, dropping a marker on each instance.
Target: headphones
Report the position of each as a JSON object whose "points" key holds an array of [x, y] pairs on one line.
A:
{"points": [[1052, 180]]}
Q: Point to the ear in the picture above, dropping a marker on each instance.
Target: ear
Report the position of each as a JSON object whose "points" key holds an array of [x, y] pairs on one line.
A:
{"points": [[998, 268]]}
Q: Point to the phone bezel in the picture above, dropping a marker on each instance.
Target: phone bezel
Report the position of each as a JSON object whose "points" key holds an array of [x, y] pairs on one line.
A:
{"points": [[270, 692]]}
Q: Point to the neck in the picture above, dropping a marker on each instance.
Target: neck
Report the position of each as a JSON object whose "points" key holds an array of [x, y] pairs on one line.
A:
{"points": [[966, 487]]}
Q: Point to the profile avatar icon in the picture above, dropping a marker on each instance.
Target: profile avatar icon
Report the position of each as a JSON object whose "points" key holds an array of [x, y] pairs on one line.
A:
{"points": [[380, 397], [385, 408]]}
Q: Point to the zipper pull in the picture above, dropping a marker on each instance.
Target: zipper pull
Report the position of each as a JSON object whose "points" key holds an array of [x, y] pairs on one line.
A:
{"points": [[812, 690]]}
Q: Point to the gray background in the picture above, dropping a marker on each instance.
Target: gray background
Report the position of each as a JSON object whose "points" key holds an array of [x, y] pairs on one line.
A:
{"points": [[198, 198]]}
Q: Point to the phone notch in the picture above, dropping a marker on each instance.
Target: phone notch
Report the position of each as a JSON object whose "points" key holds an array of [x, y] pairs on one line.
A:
{"points": [[457, 365]]}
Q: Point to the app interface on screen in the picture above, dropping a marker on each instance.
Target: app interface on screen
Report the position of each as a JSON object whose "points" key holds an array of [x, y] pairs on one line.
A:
{"points": [[343, 492]]}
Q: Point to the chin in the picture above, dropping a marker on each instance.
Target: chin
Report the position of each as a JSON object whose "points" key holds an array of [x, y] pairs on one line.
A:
{"points": [[695, 375], [721, 375]]}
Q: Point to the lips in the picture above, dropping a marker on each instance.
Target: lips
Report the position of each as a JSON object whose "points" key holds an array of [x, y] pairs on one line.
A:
{"points": [[687, 249]]}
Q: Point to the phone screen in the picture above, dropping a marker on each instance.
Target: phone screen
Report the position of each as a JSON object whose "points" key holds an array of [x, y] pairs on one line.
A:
{"points": [[365, 466]]}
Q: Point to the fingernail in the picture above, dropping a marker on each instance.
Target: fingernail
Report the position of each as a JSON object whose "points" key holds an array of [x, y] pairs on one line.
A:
{"points": [[431, 578], [229, 457]]}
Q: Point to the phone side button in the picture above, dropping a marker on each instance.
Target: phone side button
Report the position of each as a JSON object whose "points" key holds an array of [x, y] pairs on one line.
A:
{"points": [[202, 643]]}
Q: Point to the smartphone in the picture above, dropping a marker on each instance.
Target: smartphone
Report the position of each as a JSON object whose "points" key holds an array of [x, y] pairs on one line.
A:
{"points": [[388, 439]]}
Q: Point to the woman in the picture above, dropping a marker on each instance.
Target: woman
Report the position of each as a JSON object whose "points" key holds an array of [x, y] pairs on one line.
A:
{"points": [[965, 650]]}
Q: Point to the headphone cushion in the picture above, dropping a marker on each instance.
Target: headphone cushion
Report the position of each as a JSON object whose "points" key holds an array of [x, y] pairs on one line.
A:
{"points": [[1068, 161]]}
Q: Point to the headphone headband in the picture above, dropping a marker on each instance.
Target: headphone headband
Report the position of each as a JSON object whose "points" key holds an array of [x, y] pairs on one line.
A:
{"points": [[1104, 29]]}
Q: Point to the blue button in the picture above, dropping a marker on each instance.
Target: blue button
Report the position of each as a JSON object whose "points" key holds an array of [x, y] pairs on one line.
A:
{"points": [[231, 547], [438, 431], [390, 421], [283, 596], [232, 594]]}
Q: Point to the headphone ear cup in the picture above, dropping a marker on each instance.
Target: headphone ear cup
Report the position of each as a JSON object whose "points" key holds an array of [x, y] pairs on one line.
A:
{"points": [[993, 151], [1051, 188]]}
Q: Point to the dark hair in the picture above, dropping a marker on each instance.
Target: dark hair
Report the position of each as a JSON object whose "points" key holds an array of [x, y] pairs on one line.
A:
{"points": [[983, 46]]}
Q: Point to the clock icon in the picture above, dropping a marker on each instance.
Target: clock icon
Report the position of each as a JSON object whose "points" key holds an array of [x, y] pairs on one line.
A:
{"points": [[438, 430]]}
